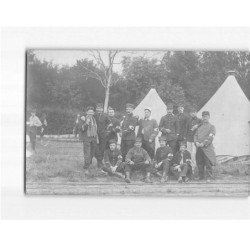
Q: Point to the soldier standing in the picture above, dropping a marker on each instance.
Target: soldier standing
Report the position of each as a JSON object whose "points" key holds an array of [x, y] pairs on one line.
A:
{"points": [[205, 155], [148, 130], [128, 125], [34, 123], [169, 126], [113, 128], [89, 136], [102, 122], [183, 122], [193, 123], [137, 158]]}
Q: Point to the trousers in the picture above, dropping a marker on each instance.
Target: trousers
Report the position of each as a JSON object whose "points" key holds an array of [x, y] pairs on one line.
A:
{"points": [[126, 145], [202, 161], [185, 170], [89, 149]]}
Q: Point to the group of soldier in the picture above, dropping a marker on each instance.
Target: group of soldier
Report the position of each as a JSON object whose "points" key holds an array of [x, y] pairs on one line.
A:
{"points": [[185, 142]]}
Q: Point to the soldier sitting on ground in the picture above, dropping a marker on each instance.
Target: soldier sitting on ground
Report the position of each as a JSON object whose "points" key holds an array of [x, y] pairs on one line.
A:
{"points": [[113, 164], [137, 158], [181, 165], [162, 159]]}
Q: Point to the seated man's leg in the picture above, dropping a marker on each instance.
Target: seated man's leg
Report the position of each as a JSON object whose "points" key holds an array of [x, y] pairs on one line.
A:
{"points": [[175, 172], [127, 169], [166, 170], [185, 168]]}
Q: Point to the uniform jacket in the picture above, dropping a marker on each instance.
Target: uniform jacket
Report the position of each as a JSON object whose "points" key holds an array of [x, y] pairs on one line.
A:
{"points": [[137, 155], [102, 121], [83, 127], [113, 128], [183, 122], [112, 157], [169, 121], [148, 129], [128, 125], [204, 134], [191, 123], [162, 153], [178, 156]]}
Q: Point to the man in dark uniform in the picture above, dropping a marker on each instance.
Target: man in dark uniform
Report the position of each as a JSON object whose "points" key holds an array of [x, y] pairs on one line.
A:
{"points": [[88, 135], [183, 121], [148, 130], [113, 164], [205, 155], [113, 128], [163, 158], [102, 122], [128, 125], [169, 126], [137, 158], [181, 165]]}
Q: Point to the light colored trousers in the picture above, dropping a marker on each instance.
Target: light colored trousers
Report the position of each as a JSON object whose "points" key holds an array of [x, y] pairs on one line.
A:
{"points": [[192, 150]]}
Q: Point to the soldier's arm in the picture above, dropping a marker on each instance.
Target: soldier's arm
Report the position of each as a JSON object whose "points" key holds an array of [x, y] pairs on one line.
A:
{"points": [[155, 131], [129, 156], [177, 126], [161, 128], [146, 155]]}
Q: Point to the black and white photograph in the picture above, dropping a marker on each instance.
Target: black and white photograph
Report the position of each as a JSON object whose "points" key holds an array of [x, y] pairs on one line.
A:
{"points": [[137, 122]]}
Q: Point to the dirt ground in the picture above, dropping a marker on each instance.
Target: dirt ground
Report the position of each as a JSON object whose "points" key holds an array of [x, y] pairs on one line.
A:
{"points": [[57, 168]]}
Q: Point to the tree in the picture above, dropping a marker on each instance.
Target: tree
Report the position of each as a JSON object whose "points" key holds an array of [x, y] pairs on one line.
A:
{"points": [[104, 71]]}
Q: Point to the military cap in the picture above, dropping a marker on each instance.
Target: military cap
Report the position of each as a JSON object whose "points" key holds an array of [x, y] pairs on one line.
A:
{"points": [[99, 105], [112, 141], [205, 113], [138, 139], [129, 105], [162, 138], [170, 106], [110, 108], [90, 108], [148, 108]]}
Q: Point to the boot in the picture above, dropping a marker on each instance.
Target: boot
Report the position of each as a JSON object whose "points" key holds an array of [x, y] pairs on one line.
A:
{"points": [[127, 177], [180, 179], [164, 178], [148, 180]]}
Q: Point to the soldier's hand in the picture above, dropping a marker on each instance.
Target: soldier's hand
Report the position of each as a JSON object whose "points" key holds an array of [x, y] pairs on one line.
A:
{"points": [[150, 140], [147, 162], [168, 130], [131, 162]]}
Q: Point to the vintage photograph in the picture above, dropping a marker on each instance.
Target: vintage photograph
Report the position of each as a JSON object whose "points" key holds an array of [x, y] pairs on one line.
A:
{"points": [[137, 123]]}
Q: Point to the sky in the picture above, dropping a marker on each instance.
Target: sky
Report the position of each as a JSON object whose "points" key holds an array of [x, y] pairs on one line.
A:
{"points": [[69, 57]]}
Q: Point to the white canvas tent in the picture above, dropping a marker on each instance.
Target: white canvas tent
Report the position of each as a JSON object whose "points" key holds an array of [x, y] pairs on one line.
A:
{"points": [[230, 114], [152, 100]]}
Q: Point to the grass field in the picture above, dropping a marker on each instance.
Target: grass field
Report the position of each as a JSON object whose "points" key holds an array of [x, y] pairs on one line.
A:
{"points": [[58, 169]]}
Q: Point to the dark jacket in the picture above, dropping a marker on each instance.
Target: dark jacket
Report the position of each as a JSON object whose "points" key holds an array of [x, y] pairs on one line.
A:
{"points": [[148, 129], [162, 153], [191, 123], [83, 128], [112, 157], [183, 122], [128, 125], [169, 121], [177, 157], [137, 155], [102, 121], [113, 128]]}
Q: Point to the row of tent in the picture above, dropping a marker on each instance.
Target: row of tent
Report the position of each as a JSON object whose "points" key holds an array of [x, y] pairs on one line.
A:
{"points": [[229, 111]]}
